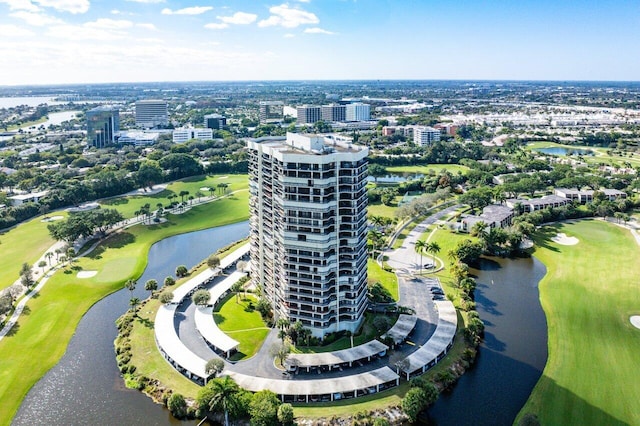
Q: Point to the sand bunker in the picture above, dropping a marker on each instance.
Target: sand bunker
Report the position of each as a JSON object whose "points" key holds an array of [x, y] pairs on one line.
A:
{"points": [[564, 240], [223, 177], [87, 274], [635, 321], [52, 218]]}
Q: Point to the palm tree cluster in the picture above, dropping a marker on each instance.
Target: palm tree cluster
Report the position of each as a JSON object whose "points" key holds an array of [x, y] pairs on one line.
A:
{"points": [[425, 247]]}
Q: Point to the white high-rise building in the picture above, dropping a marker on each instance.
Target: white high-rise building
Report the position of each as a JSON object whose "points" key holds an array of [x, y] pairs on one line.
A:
{"points": [[152, 113], [358, 112], [308, 205], [423, 135]]}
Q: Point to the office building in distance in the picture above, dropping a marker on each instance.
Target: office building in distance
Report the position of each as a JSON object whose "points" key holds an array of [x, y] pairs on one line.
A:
{"points": [[308, 114], [103, 124], [152, 113], [333, 113], [215, 121], [358, 112], [424, 135], [308, 209], [271, 112], [183, 135]]}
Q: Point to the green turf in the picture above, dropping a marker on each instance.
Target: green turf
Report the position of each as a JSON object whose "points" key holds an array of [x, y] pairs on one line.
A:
{"points": [[25, 242], [242, 323], [55, 313], [600, 157], [437, 168], [129, 205], [389, 280], [588, 294]]}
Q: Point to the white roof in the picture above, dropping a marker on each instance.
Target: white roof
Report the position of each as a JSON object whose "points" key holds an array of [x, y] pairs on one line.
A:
{"points": [[442, 337], [169, 342], [181, 292], [316, 386], [210, 331], [402, 328], [204, 316], [346, 355]]}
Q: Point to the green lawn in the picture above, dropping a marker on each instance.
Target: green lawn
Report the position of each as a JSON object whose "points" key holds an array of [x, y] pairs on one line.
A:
{"points": [[129, 205], [389, 280], [379, 209], [147, 358], [24, 243], [453, 168], [41, 337], [588, 294], [241, 323]]}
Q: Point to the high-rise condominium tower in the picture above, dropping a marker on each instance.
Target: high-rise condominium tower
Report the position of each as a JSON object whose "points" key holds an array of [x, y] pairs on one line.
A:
{"points": [[308, 222]]}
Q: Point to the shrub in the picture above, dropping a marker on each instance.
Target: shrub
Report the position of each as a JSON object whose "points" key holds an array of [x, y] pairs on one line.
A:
{"points": [[414, 401], [181, 271], [177, 405], [285, 414]]}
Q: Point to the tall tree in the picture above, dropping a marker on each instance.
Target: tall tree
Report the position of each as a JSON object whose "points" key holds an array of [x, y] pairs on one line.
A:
{"points": [[225, 397]]}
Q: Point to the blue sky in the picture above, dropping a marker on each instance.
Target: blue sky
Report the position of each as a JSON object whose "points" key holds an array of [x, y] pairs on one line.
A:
{"points": [[86, 41]]}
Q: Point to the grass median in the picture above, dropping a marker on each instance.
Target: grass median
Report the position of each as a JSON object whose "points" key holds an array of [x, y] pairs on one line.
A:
{"points": [[41, 336], [588, 295]]}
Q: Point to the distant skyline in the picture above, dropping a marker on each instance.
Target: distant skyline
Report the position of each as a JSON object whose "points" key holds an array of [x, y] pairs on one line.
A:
{"points": [[99, 41]]}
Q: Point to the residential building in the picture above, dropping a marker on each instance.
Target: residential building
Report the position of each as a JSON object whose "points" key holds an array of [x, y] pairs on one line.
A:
{"points": [[103, 123], [32, 197], [152, 113], [215, 121], [308, 114], [183, 135], [333, 113], [495, 216], [308, 220], [535, 204], [424, 135], [271, 112], [358, 111], [586, 196]]}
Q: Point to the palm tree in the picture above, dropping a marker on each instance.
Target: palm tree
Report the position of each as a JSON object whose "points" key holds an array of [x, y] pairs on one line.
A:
{"points": [[199, 194], [420, 247], [151, 286], [225, 396], [130, 285], [48, 255], [433, 248], [133, 302], [183, 194]]}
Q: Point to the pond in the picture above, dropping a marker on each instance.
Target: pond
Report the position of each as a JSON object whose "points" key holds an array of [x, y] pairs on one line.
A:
{"points": [[85, 387], [557, 150], [514, 351]]}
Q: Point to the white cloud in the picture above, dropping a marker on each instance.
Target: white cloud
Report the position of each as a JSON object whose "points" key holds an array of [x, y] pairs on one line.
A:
{"points": [[35, 19], [147, 1], [21, 5], [147, 26], [217, 26], [194, 10], [317, 30], [289, 35], [71, 6], [7, 31], [288, 17], [109, 24], [239, 18]]}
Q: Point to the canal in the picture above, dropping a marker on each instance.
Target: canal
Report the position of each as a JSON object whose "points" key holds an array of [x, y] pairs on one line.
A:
{"points": [[85, 387]]}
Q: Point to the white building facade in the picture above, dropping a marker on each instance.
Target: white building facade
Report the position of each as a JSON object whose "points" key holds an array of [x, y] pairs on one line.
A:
{"points": [[308, 205], [358, 112], [183, 135], [423, 135]]}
